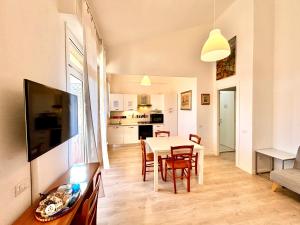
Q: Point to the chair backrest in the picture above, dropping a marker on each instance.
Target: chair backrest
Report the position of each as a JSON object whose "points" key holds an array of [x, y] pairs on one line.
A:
{"points": [[297, 161], [162, 133], [183, 151], [195, 138], [143, 148], [89, 208]]}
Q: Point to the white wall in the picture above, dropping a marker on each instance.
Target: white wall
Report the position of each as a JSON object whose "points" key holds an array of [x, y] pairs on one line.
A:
{"points": [[286, 75], [173, 54], [237, 20], [205, 112], [263, 74], [32, 43], [227, 117], [187, 119], [263, 78]]}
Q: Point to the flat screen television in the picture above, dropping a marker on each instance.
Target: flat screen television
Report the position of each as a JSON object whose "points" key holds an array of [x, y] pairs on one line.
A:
{"points": [[51, 118]]}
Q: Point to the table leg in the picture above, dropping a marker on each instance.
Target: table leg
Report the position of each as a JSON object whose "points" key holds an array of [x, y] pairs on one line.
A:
{"points": [[200, 166], [155, 174]]}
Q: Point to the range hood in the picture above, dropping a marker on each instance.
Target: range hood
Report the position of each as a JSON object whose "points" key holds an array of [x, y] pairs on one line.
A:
{"points": [[144, 100]]}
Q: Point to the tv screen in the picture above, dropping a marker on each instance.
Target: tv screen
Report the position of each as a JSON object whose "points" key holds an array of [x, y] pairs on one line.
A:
{"points": [[51, 118]]}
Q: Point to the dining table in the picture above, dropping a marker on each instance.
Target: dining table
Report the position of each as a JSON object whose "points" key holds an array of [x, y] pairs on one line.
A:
{"points": [[162, 146]]}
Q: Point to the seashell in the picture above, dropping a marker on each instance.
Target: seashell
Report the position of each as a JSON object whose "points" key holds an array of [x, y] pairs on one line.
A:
{"points": [[50, 210]]}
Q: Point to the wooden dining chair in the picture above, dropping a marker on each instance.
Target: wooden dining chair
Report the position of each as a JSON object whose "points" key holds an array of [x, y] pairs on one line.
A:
{"points": [[181, 159], [89, 207], [148, 161], [162, 133], [196, 139]]}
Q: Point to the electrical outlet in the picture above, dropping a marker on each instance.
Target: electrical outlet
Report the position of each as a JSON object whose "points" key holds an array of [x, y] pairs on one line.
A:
{"points": [[21, 187]]}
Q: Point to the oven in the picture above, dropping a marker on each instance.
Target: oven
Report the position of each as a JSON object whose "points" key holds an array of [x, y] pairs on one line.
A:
{"points": [[156, 118], [145, 131]]}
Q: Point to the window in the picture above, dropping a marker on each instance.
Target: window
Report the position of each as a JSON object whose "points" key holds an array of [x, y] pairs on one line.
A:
{"points": [[74, 59]]}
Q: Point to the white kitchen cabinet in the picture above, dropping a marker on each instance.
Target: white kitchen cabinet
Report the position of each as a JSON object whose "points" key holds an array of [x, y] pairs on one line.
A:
{"points": [[131, 134], [115, 135], [157, 127], [118, 135], [130, 102], [157, 102], [116, 102]]}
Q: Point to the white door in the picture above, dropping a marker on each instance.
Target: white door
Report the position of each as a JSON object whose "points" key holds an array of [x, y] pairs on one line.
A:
{"points": [[227, 120], [170, 113]]}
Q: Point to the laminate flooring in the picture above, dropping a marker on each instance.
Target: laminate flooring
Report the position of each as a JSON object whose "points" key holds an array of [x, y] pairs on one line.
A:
{"points": [[229, 196]]}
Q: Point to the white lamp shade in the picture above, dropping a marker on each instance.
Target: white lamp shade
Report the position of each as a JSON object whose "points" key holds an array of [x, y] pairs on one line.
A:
{"points": [[146, 81], [215, 48]]}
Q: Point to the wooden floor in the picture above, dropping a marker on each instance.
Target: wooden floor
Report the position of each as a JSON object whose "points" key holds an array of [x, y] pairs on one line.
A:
{"points": [[229, 196]]}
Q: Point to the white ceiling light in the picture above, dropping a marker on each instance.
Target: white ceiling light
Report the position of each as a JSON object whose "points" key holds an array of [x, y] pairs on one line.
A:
{"points": [[146, 81], [216, 47]]}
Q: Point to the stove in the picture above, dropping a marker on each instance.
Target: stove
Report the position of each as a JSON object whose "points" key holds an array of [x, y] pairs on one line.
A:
{"points": [[145, 130]]}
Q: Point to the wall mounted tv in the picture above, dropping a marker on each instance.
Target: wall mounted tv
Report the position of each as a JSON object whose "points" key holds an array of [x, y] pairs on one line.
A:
{"points": [[51, 118]]}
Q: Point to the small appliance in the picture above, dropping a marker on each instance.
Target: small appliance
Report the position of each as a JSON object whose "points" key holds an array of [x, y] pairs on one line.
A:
{"points": [[157, 118]]}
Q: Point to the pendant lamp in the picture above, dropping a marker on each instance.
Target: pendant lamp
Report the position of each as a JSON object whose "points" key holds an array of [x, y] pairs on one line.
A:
{"points": [[216, 47], [146, 81]]}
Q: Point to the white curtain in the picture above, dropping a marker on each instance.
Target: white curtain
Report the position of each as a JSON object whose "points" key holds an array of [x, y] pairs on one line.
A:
{"points": [[103, 112], [90, 86]]}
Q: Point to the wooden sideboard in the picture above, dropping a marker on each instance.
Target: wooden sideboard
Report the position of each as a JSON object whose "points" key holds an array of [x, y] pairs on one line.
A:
{"points": [[84, 175]]}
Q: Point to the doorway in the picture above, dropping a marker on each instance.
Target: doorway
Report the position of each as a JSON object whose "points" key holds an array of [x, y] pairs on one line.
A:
{"points": [[227, 123]]}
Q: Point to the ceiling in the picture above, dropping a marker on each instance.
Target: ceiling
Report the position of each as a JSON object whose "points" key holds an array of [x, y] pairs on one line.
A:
{"points": [[124, 21]]}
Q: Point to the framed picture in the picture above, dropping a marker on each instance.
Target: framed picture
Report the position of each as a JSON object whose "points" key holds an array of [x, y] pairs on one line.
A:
{"points": [[226, 67], [186, 100], [205, 99]]}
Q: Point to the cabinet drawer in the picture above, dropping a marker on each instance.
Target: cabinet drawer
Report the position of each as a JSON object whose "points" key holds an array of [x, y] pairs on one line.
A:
{"points": [[157, 128]]}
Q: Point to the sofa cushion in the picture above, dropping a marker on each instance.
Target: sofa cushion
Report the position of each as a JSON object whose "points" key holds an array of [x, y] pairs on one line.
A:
{"points": [[289, 178], [297, 161]]}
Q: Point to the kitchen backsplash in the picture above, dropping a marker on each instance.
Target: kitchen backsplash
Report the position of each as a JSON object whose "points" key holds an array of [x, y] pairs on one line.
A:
{"points": [[128, 117]]}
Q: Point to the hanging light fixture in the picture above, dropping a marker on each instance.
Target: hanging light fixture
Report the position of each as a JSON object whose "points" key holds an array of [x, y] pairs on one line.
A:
{"points": [[146, 81], [216, 47]]}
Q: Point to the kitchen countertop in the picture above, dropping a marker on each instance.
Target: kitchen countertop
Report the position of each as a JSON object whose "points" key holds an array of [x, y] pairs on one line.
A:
{"points": [[134, 124]]}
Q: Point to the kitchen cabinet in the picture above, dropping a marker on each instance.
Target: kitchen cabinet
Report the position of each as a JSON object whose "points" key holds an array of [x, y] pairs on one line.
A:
{"points": [[130, 102], [118, 135], [115, 135], [131, 134], [157, 127], [116, 102], [157, 102]]}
